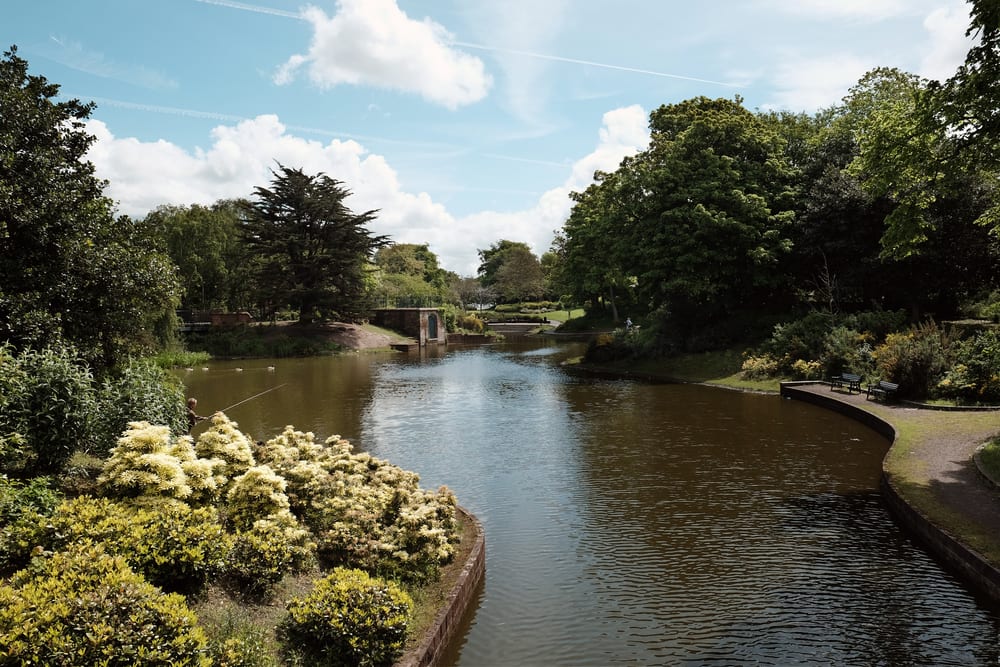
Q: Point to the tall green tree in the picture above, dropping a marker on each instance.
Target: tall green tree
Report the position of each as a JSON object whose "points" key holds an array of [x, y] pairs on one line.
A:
{"points": [[313, 250], [205, 242], [70, 271], [520, 276], [492, 258], [707, 211], [968, 104], [409, 275]]}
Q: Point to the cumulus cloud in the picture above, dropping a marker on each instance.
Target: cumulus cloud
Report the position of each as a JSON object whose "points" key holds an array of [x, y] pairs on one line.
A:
{"points": [[946, 27], [144, 175], [373, 42], [623, 132], [812, 84]]}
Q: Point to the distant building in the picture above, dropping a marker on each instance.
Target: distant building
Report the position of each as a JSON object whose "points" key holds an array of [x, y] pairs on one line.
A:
{"points": [[423, 324]]}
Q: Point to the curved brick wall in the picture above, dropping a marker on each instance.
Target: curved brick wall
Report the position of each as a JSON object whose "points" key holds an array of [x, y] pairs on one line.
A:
{"points": [[965, 562], [460, 598]]}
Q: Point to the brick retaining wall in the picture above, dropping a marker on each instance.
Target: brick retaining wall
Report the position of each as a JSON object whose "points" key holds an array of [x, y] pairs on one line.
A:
{"points": [[449, 619]]}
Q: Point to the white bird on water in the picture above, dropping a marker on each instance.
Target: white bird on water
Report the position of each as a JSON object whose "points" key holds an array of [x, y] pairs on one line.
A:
{"points": [[239, 370]]}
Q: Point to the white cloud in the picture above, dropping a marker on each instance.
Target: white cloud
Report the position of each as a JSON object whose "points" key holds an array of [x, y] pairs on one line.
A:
{"points": [[144, 175], [511, 31], [623, 132], [373, 42], [813, 84], [858, 9], [949, 44]]}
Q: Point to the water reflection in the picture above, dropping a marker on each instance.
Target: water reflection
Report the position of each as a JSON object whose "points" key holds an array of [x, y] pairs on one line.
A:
{"points": [[644, 524]]}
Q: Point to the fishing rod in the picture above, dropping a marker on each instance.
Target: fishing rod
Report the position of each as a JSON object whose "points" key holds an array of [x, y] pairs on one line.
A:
{"points": [[230, 407]]}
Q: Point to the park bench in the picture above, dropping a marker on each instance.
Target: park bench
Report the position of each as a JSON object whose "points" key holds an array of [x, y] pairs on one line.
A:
{"points": [[883, 390], [849, 380]]}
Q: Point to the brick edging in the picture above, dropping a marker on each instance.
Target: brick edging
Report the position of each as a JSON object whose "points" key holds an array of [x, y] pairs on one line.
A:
{"points": [[460, 598], [959, 558]]}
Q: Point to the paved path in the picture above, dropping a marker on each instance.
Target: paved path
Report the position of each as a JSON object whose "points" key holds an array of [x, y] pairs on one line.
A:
{"points": [[932, 465]]}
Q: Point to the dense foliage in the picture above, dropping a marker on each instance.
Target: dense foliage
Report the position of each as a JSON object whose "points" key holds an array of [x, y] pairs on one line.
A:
{"points": [[313, 251], [85, 607], [348, 619], [178, 513], [70, 271]]}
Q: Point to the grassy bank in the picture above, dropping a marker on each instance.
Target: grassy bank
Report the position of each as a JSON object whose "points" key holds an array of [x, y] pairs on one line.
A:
{"points": [[719, 368]]}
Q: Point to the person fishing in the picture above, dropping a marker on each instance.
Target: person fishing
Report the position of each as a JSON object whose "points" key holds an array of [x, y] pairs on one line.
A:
{"points": [[192, 403], [193, 417]]}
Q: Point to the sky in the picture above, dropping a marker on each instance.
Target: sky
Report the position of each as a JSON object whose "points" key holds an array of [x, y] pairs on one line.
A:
{"points": [[463, 122]]}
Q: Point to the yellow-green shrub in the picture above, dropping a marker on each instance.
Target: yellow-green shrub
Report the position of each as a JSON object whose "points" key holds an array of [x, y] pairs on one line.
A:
{"points": [[259, 492], [260, 557], [149, 461], [172, 545], [349, 618], [84, 607], [225, 442]]}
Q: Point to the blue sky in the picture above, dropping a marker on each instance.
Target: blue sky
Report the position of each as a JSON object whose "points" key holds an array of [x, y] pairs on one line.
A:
{"points": [[463, 121]]}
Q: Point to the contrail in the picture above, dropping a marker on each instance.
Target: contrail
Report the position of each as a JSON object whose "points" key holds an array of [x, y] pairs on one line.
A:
{"points": [[482, 47], [590, 63], [253, 8]]}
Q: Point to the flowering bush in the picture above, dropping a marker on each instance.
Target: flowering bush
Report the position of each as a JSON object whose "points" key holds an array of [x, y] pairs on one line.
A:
{"points": [[149, 461], [225, 442], [975, 377], [807, 370], [349, 618], [85, 607], [363, 511], [917, 359], [257, 493], [761, 367]]}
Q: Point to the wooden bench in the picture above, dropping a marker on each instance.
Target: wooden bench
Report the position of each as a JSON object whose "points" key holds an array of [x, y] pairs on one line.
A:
{"points": [[849, 380], [883, 390]]}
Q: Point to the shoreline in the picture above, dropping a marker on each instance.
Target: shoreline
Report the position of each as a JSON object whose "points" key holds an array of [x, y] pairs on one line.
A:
{"points": [[951, 543]]}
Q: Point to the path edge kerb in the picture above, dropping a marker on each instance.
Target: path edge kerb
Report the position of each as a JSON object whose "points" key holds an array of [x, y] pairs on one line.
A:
{"points": [[959, 558], [460, 599]]}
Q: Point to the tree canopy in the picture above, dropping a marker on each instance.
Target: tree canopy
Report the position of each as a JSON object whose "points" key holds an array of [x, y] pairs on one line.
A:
{"points": [[70, 271], [312, 249]]}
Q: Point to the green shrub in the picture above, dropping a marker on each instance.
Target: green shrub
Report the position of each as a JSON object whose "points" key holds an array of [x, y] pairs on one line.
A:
{"points": [[19, 497], [261, 557], [877, 323], [804, 338], [237, 642], [141, 391], [349, 618], [46, 407], [471, 323], [846, 351], [24, 509], [84, 607], [174, 546], [916, 359], [975, 377]]}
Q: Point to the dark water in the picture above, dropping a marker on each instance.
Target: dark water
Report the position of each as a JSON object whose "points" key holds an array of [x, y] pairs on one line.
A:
{"points": [[637, 524]]}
